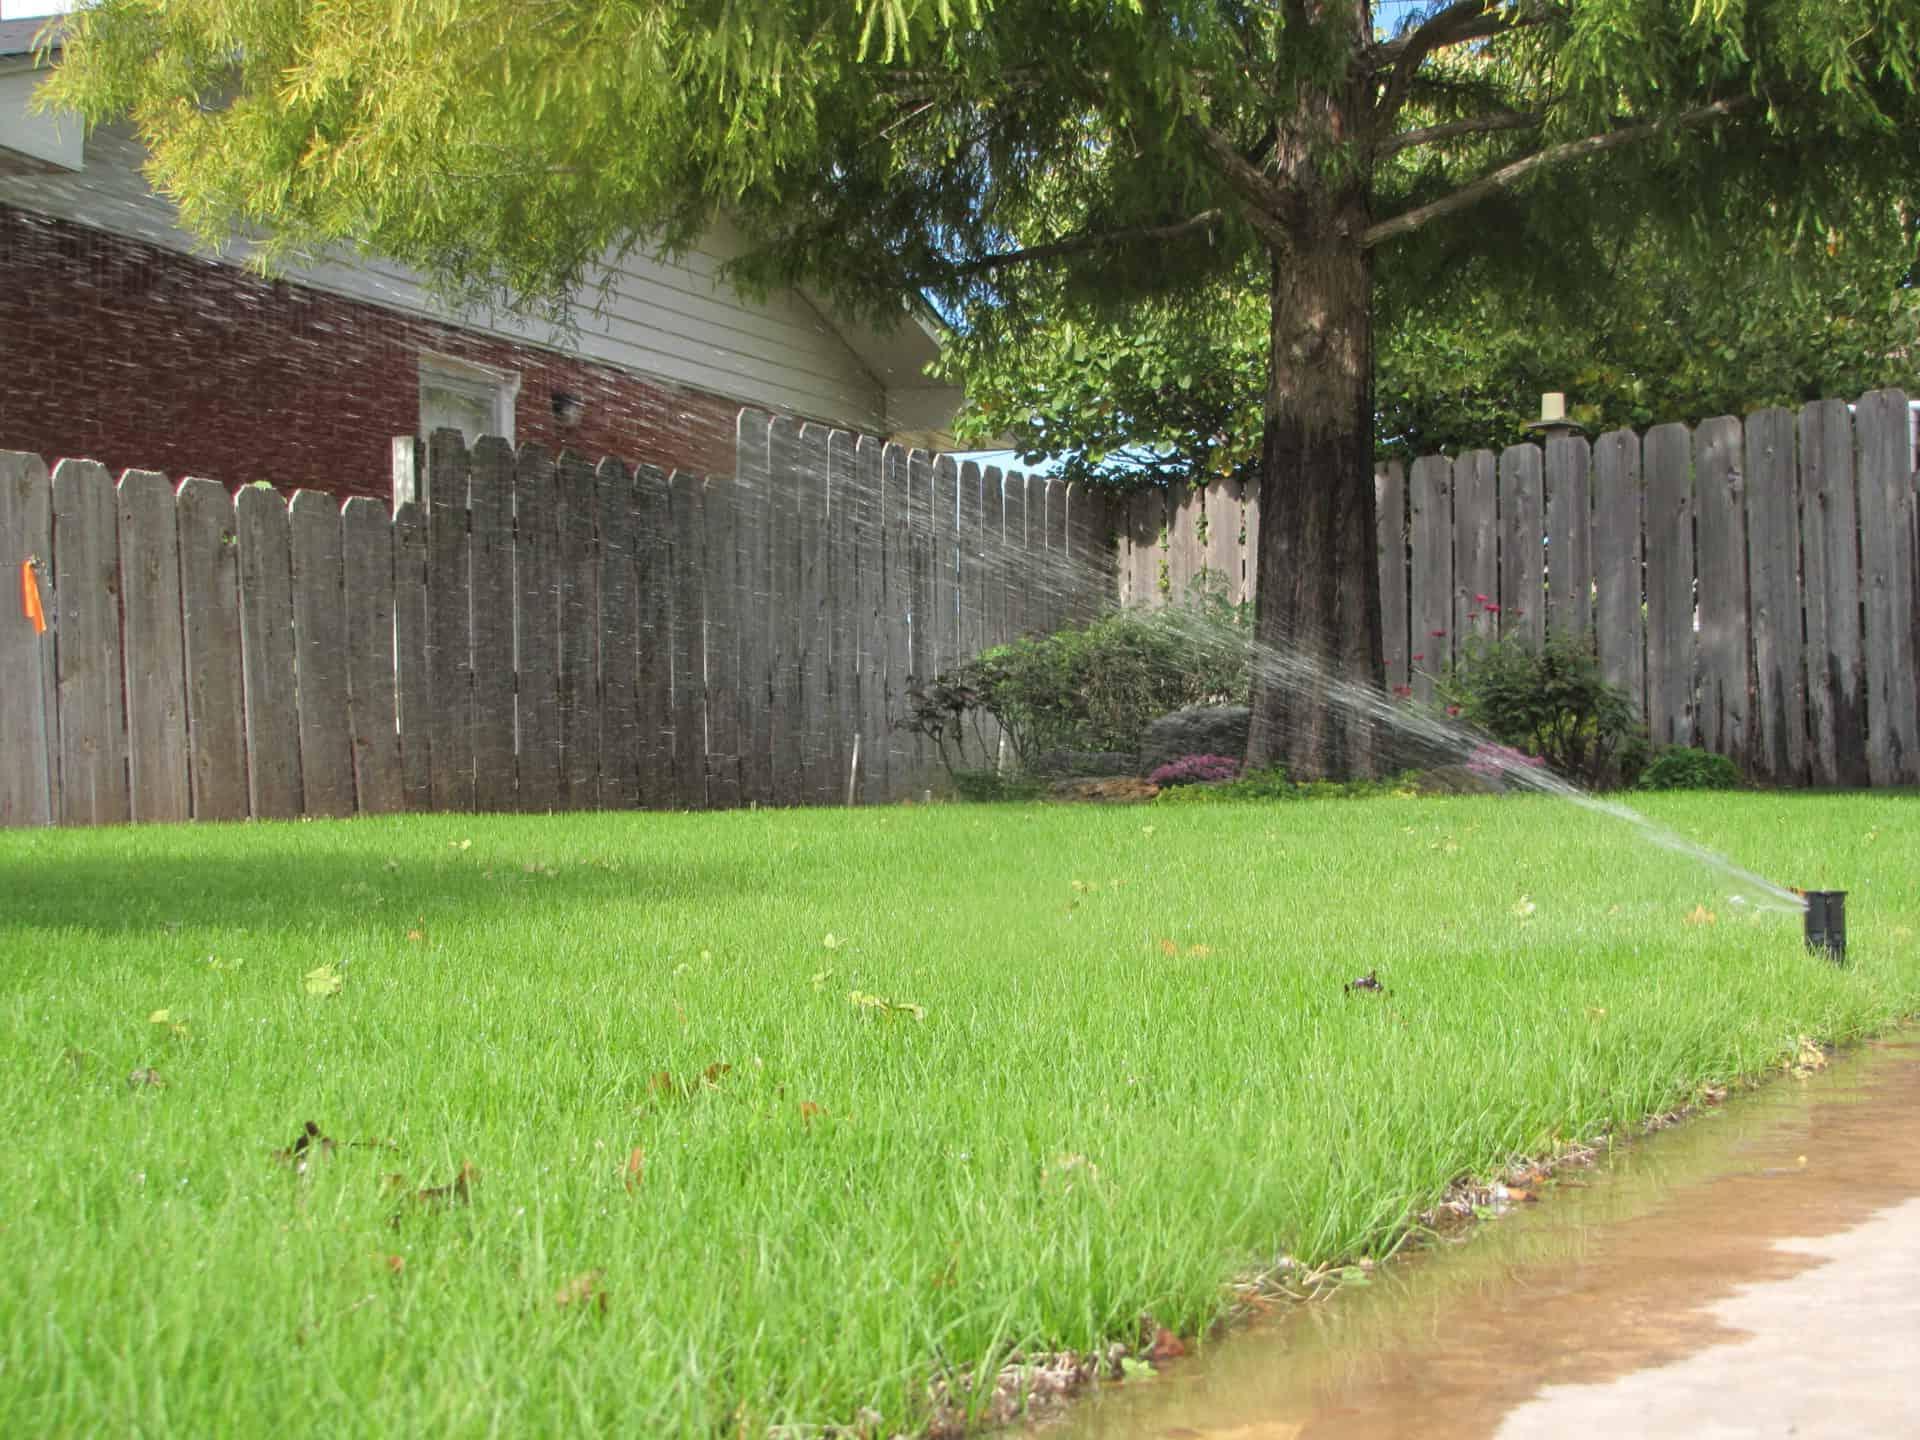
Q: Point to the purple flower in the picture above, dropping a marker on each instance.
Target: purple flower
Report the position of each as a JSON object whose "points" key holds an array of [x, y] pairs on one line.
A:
{"points": [[1196, 770]]}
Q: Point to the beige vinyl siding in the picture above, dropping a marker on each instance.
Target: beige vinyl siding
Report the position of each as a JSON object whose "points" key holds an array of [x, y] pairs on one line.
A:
{"points": [[668, 319]]}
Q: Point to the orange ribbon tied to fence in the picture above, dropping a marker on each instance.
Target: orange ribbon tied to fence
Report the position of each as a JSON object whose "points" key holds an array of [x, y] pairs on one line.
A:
{"points": [[30, 598]]}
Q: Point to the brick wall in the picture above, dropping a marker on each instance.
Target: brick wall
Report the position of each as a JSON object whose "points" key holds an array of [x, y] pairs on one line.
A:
{"points": [[136, 356]]}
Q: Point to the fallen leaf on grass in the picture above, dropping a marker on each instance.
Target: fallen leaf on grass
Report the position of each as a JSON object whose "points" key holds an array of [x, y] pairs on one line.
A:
{"points": [[146, 1078], [165, 1017], [1524, 907], [713, 1073], [831, 943], [1700, 915], [309, 1138], [416, 935], [1199, 952], [636, 1168], [660, 1084], [809, 1112], [883, 1006], [584, 1292], [1167, 947], [396, 1265], [459, 1192], [323, 980]]}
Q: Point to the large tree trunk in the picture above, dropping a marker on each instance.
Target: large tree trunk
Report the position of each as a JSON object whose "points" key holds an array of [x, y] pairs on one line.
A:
{"points": [[1318, 665]]}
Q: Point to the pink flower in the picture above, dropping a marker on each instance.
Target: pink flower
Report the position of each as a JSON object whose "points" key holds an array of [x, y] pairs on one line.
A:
{"points": [[1495, 610], [1438, 634], [1481, 599], [1419, 657], [1453, 712], [1403, 691]]}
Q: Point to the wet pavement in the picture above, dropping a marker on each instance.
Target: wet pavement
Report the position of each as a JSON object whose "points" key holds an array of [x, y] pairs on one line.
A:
{"points": [[1752, 1272]]}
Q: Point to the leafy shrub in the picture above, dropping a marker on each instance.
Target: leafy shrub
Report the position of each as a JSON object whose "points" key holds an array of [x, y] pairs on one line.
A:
{"points": [[1552, 702], [1272, 784], [1092, 687], [1196, 770], [1681, 767], [995, 787]]}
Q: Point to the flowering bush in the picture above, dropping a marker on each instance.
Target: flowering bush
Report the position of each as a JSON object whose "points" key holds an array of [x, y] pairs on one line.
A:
{"points": [[1550, 699], [1196, 770]]}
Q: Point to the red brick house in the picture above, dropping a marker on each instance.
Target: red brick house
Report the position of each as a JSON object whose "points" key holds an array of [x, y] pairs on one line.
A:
{"points": [[125, 342]]}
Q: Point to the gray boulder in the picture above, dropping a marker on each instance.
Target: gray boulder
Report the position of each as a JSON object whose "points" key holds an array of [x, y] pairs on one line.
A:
{"points": [[1196, 730]]}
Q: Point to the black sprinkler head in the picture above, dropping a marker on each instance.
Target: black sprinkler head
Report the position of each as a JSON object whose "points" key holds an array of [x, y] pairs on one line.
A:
{"points": [[1827, 923]]}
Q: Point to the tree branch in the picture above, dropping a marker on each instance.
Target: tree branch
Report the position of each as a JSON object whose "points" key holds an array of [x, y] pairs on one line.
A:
{"points": [[1478, 125], [1506, 175], [1464, 29], [1079, 244], [1268, 204], [1459, 22]]}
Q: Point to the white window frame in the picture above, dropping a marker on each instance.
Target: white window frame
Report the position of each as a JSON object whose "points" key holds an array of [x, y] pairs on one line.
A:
{"points": [[499, 390]]}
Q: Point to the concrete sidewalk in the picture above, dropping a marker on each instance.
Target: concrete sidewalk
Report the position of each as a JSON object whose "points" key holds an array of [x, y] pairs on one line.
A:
{"points": [[1834, 1351]]}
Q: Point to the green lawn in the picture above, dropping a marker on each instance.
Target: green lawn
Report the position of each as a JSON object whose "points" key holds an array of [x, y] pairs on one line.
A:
{"points": [[1137, 1075]]}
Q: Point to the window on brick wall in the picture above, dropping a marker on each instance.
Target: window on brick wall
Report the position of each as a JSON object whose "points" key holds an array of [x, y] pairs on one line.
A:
{"points": [[474, 399]]}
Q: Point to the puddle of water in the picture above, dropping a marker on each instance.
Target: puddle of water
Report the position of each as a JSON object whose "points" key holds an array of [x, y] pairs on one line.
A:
{"points": [[1675, 1248]]}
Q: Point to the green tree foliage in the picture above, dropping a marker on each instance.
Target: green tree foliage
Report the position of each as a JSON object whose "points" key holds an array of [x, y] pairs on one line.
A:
{"points": [[1668, 329], [1027, 161]]}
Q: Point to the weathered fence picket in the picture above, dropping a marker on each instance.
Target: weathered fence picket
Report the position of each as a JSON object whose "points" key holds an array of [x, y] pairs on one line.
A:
{"points": [[1773, 578], [490, 581], [413, 691], [29, 775], [93, 742], [1668, 457], [320, 655], [1618, 582], [366, 541], [1887, 587], [156, 695], [1430, 578], [1476, 548], [1390, 511], [1832, 578], [266, 655]]}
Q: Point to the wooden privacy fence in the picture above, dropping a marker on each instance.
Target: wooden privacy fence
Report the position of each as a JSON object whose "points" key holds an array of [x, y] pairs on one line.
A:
{"points": [[547, 634], [1751, 584]]}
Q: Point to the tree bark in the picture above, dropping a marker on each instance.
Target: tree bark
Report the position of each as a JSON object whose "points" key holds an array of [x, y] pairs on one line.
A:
{"points": [[1318, 668]]}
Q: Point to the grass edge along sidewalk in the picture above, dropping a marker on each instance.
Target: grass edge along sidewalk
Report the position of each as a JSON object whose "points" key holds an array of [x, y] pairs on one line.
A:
{"points": [[714, 1124]]}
